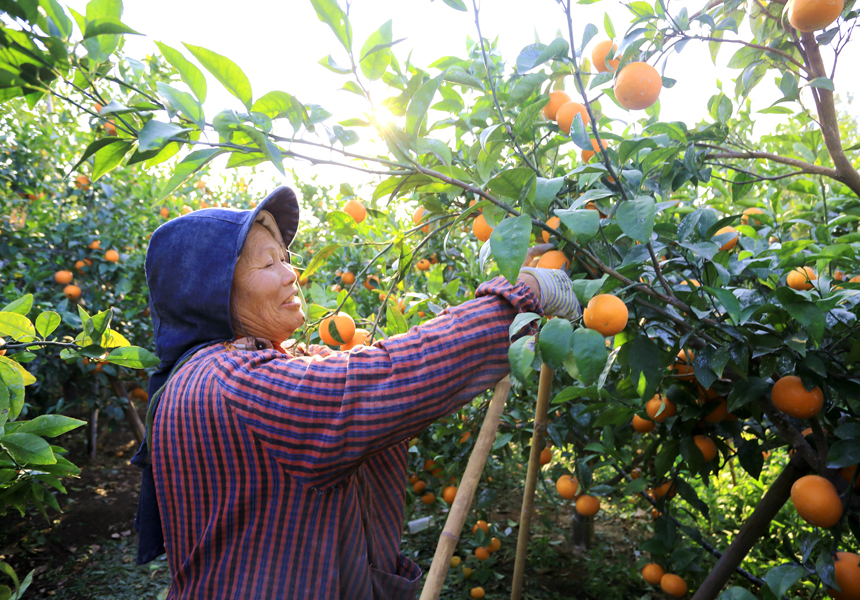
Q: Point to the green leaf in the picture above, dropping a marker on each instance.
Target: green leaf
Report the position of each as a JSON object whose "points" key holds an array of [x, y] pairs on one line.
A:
{"points": [[320, 258], [780, 579], [645, 369], [737, 593], [108, 26], [578, 133], [520, 321], [636, 218], [57, 18], [420, 103], [5, 404], [537, 54], [395, 321], [132, 357], [188, 71], [461, 6], [109, 157], [225, 71], [583, 223], [375, 53], [28, 449], [554, 341], [279, 105], [156, 134], [806, 313], [47, 322], [270, 150], [50, 425], [332, 15], [187, 167], [741, 395], [545, 192], [517, 184], [590, 352], [521, 354], [436, 147], [729, 302], [586, 289], [21, 306], [329, 63], [844, 453], [509, 243], [821, 82], [184, 103], [18, 327]]}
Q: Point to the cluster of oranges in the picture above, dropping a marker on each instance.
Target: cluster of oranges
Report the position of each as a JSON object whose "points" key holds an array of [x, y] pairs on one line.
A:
{"points": [[673, 585], [419, 486], [65, 278]]}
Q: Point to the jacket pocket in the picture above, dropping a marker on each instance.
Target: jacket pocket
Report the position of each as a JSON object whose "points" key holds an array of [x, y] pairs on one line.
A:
{"points": [[403, 584]]}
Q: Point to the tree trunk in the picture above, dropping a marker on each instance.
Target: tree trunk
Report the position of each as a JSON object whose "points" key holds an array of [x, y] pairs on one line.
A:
{"points": [[93, 433], [754, 528], [128, 409]]}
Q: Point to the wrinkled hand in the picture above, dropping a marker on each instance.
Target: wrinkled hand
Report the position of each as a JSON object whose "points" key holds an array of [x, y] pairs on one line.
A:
{"points": [[535, 252], [556, 292]]}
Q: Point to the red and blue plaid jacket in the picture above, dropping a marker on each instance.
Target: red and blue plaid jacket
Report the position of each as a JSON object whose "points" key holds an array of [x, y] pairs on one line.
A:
{"points": [[283, 476]]}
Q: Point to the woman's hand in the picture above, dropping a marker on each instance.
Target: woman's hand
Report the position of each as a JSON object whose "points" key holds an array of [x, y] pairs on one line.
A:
{"points": [[555, 292], [532, 256]]}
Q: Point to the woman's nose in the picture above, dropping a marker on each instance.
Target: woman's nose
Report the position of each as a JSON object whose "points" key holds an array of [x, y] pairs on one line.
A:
{"points": [[290, 276]]}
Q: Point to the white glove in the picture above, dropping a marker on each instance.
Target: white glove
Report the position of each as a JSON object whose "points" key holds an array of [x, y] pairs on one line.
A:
{"points": [[556, 293]]}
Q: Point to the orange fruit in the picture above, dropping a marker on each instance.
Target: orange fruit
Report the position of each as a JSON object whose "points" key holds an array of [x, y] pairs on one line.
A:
{"points": [[789, 396], [847, 576], [598, 57], [356, 210], [72, 292], [417, 216], [642, 425], [2, 343], [82, 182], [348, 278], [553, 222], [63, 277], [494, 545], [587, 505], [449, 493], [652, 573], [423, 265], [801, 278], [200, 184], [720, 413], [371, 283], [654, 404], [430, 465], [593, 206], [545, 456], [97, 107], [812, 15], [673, 585], [637, 86], [428, 498], [82, 264], [465, 437], [684, 366], [557, 99], [413, 479], [477, 592], [186, 210], [745, 218], [847, 474], [733, 241], [554, 259], [707, 446], [345, 329], [481, 525], [482, 553], [816, 501], [419, 486], [140, 394], [112, 256], [94, 245], [606, 314], [360, 338], [110, 127], [586, 155], [567, 113], [567, 487], [855, 279], [467, 572], [165, 212], [481, 228], [204, 205]]}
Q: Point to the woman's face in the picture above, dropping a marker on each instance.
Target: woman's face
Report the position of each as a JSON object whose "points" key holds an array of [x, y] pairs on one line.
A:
{"points": [[265, 292]]}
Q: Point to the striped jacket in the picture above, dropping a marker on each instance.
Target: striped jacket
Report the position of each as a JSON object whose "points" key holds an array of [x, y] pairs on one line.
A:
{"points": [[283, 476]]}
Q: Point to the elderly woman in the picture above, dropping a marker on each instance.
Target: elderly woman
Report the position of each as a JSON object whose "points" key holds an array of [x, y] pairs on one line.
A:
{"points": [[280, 473]]}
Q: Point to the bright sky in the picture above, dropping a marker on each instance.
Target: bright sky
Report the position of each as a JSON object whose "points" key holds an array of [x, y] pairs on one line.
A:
{"points": [[278, 44]]}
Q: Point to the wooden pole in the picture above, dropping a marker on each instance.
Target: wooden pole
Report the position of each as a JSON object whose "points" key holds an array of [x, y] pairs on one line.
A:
{"points": [[544, 389], [755, 527], [128, 409], [465, 493]]}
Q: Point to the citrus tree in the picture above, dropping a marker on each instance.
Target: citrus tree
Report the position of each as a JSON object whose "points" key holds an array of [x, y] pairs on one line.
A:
{"points": [[719, 270]]}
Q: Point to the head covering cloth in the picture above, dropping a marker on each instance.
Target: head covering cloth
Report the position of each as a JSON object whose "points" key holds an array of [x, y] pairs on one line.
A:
{"points": [[189, 272]]}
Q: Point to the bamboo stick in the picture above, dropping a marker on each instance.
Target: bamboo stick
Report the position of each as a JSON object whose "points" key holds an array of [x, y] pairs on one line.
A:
{"points": [[541, 409], [465, 493]]}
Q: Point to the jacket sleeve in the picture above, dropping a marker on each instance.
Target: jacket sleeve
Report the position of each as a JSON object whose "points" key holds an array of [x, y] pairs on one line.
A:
{"points": [[324, 414]]}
